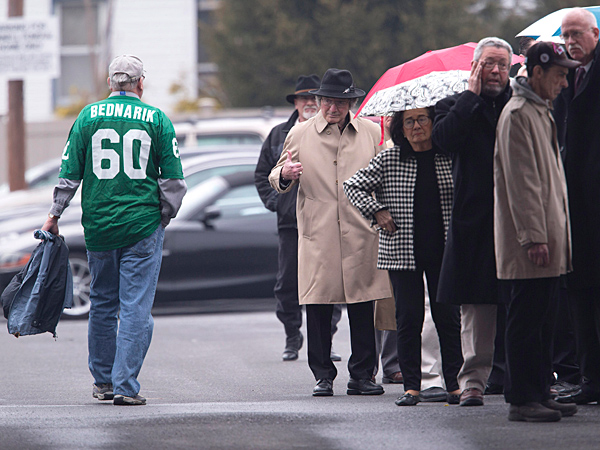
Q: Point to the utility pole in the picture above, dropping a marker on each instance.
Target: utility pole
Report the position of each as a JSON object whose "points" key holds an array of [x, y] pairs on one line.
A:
{"points": [[16, 121]]}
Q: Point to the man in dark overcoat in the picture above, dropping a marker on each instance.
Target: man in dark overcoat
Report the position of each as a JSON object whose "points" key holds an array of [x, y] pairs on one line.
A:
{"points": [[465, 126], [577, 114]]}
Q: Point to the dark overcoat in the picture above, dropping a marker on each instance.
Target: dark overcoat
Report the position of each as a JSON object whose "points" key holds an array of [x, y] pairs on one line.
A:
{"points": [[465, 127], [283, 204], [578, 122]]}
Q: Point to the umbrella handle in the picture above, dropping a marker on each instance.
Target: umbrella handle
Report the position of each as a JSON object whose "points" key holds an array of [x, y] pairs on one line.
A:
{"points": [[382, 131]]}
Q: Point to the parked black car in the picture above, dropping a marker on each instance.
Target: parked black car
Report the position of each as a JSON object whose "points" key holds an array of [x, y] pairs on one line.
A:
{"points": [[222, 245]]}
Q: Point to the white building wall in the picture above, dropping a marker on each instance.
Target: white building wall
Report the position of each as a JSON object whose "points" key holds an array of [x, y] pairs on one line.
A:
{"points": [[37, 89], [163, 34]]}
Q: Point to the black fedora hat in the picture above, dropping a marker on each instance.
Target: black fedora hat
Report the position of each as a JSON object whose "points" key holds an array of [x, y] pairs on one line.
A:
{"points": [[338, 83], [304, 85]]}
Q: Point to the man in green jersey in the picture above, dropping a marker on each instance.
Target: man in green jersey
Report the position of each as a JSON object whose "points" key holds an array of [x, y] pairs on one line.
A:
{"points": [[124, 154]]}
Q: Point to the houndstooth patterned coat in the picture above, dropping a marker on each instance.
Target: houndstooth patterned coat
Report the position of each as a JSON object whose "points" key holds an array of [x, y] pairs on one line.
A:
{"points": [[392, 176]]}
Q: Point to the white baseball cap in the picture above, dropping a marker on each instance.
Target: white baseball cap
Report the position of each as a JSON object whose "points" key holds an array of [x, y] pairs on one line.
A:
{"points": [[129, 65]]}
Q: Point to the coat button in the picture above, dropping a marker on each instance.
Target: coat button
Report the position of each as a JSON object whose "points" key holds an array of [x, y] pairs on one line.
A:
{"points": [[335, 163], [328, 132], [336, 182]]}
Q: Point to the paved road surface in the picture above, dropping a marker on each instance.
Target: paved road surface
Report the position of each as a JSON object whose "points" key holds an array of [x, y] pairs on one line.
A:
{"points": [[217, 382]]}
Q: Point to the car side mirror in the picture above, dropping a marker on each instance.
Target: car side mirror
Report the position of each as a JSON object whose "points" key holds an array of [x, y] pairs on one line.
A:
{"points": [[211, 213]]}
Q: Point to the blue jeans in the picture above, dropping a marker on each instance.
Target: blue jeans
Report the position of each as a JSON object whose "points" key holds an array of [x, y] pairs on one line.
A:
{"points": [[120, 325]]}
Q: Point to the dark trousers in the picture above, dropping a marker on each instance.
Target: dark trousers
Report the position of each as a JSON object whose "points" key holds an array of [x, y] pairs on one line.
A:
{"points": [[288, 309], [361, 363], [586, 303], [409, 292], [499, 365], [564, 344], [529, 329]]}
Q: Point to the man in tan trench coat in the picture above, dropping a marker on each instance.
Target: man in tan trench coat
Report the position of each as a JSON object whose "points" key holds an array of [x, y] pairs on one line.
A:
{"points": [[337, 250], [531, 232]]}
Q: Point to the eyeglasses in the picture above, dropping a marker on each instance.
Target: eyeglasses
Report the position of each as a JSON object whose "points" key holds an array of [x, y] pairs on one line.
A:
{"points": [[338, 103], [502, 66], [573, 34], [410, 122]]}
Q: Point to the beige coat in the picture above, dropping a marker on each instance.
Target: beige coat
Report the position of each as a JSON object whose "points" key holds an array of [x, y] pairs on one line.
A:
{"points": [[337, 249], [530, 193]]}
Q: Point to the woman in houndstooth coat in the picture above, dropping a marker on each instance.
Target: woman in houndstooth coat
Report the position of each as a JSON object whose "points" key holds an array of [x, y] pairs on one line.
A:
{"points": [[411, 206]]}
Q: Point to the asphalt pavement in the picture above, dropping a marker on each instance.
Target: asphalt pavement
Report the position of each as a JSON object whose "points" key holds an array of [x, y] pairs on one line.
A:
{"points": [[216, 381]]}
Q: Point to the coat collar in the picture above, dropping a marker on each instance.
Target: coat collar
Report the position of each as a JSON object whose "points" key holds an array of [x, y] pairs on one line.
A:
{"points": [[322, 124]]}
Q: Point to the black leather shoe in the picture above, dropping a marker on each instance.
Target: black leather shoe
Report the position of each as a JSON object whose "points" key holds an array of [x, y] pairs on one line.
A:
{"points": [[407, 400], [324, 388], [493, 389], [580, 397], [566, 409], [433, 394], [292, 346], [363, 387], [453, 399], [335, 356]]}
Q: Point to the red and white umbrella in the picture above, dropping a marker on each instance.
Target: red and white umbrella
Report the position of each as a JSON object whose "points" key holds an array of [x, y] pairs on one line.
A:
{"points": [[447, 59]]}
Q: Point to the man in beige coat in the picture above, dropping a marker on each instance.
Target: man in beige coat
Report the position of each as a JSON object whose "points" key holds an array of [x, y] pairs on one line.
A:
{"points": [[531, 233], [337, 250]]}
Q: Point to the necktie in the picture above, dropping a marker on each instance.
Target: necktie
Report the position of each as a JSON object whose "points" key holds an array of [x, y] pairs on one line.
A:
{"points": [[579, 74]]}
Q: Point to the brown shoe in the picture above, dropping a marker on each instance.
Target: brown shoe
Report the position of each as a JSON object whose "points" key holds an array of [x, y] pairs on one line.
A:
{"points": [[395, 378], [471, 397]]}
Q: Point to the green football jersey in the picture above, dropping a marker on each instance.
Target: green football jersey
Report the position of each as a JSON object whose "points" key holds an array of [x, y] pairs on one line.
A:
{"points": [[119, 147]]}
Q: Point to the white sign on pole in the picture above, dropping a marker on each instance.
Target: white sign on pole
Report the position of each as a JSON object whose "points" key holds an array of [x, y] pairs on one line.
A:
{"points": [[29, 47]]}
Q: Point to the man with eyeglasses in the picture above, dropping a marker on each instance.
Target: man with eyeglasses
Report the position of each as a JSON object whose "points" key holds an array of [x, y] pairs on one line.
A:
{"points": [[337, 250], [465, 126], [577, 113], [288, 310]]}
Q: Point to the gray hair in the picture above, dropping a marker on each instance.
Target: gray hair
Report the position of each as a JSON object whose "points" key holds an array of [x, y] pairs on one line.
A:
{"points": [[492, 42], [123, 82], [353, 101]]}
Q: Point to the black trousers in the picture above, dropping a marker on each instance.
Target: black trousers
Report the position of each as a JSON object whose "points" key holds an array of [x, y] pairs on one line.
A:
{"points": [[361, 363], [564, 353], [409, 292], [288, 309], [529, 330], [586, 303]]}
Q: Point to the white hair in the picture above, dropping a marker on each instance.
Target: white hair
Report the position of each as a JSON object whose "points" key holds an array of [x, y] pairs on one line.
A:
{"points": [[123, 82], [492, 42]]}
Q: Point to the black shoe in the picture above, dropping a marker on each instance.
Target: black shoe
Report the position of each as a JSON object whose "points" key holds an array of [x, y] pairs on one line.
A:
{"points": [[324, 388], [335, 356], [493, 389], [433, 394], [407, 400], [532, 412], [566, 409], [292, 346], [363, 387], [580, 397], [453, 399]]}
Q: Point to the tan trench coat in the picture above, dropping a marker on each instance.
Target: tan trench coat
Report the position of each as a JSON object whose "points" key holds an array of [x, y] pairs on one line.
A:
{"points": [[530, 194], [337, 249]]}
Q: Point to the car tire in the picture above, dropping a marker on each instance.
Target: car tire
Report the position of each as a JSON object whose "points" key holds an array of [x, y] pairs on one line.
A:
{"points": [[81, 288]]}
